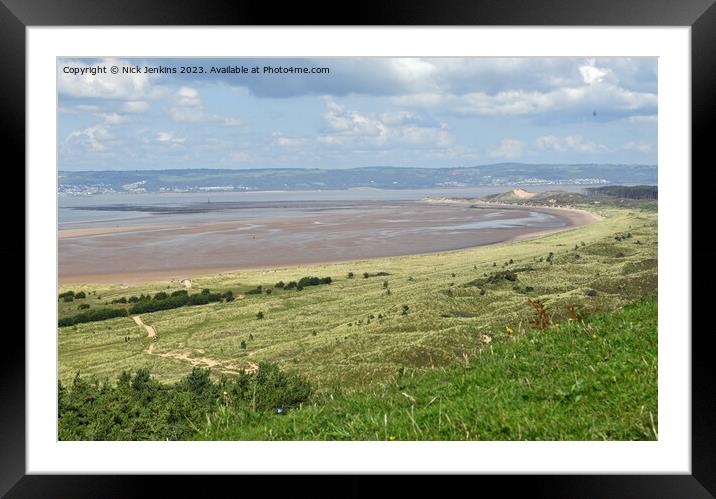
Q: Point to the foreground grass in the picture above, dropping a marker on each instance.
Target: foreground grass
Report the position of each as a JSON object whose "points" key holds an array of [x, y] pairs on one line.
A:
{"points": [[581, 380]]}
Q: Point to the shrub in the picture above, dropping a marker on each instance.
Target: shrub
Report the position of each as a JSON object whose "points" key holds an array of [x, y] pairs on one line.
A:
{"points": [[66, 294], [279, 285], [199, 299], [121, 299], [80, 295], [140, 408], [205, 291], [259, 315], [243, 345], [133, 299], [68, 298], [98, 314], [405, 309], [160, 296], [268, 291], [590, 292], [180, 292], [542, 320], [385, 284], [366, 275], [84, 306], [275, 388], [309, 281], [350, 275], [256, 291], [147, 306]]}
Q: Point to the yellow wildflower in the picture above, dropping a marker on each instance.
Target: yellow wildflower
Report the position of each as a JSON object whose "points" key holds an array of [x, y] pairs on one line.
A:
{"points": [[508, 330]]}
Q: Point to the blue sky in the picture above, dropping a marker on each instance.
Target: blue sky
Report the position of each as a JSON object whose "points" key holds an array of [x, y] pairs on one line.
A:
{"points": [[440, 112]]}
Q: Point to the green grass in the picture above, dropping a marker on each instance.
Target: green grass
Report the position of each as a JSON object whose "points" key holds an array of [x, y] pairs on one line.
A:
{"points": [[593, 380], [332, 335]]}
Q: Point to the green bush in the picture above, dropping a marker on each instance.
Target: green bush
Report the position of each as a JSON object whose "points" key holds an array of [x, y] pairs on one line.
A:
{"points": [[147, 306], [80, 295], [199, 299], [98, 314], [140, 408]]}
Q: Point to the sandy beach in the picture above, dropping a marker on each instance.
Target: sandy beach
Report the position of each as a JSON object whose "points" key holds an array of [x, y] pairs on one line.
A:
{"points": [[126, 254]]}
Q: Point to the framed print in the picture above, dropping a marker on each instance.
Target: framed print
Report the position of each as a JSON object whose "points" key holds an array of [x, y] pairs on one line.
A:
{"points": [[455, 244]]}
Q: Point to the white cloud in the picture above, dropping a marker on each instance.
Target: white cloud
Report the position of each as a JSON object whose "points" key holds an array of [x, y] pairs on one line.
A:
{"points": [[508, 149], [93, 138], [591, 74], [282, 141], [582, 99], [105, 86], [135, 106], [569, 143], [342, 126], [641, 118], [114, 118], [637, 146], [169, 137], [188, 107]]}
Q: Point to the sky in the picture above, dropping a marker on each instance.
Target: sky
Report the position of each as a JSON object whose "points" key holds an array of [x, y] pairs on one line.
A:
{"points": [[412, 112]]}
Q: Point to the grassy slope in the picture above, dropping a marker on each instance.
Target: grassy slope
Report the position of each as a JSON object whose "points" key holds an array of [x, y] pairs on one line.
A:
{"points": [[316, 331], [593, 380]]}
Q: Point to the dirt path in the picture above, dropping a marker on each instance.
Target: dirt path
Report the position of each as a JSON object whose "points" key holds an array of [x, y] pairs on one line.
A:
{"points": [[151, 332], [194, 361]]}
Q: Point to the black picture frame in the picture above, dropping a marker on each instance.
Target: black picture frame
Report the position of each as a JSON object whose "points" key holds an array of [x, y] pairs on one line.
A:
{"points": [[700, 15]]}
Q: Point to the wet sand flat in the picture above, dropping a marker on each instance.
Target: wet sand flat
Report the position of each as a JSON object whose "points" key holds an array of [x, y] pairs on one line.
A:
{"points": [[286, 236]]}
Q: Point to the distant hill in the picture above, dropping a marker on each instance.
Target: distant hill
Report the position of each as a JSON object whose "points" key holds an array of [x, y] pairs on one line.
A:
{"points": [[642, 196], [381, 177]]}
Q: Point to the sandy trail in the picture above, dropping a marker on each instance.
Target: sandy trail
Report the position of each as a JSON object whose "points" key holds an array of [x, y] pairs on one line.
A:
{"points": [[151, 332], [194, 361]]}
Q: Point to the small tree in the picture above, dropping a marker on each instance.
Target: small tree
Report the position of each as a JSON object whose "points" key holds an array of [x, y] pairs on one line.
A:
{"points": [[542, 320]]}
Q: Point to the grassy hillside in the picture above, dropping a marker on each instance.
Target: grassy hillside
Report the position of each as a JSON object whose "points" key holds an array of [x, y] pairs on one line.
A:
{"points": [[593, 379], [429, 311]]}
